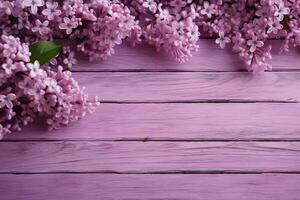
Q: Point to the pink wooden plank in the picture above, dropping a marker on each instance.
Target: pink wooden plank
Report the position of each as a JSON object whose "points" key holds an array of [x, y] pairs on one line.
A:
{"points": [[209, 58], [191, 86], [178, 121], [142, 187], [142, 157]]}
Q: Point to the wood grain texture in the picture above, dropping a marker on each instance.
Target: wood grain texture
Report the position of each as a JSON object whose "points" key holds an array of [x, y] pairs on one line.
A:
{"points": [[209, 58], [150, 187], [149, 157], [202, 130], [238, 121], [191, 86]]}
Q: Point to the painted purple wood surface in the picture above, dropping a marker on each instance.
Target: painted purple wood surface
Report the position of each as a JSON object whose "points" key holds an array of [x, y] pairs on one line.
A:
{"points": [[209, 58], [150, 187], [183, 121], [192, 86], [149, 157], [201, 130]]}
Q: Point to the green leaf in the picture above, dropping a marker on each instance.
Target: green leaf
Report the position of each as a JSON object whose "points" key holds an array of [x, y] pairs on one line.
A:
{"points": [[44, 51]]}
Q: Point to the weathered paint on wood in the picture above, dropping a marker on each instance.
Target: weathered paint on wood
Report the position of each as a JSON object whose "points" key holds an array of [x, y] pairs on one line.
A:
{"points": [[149, 157], [229, 121], [150, 187], [192, 86], [209, 58]]}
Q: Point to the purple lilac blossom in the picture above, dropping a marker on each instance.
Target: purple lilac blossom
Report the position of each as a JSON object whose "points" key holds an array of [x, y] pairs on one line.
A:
{"points": [[91, 27], [28, 91], [244, 25], [95, 27]]}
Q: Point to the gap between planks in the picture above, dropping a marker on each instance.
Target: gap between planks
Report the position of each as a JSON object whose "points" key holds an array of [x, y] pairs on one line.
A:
{"points": [[202, 101], [153, 140], [174, 172], [277, 70]]}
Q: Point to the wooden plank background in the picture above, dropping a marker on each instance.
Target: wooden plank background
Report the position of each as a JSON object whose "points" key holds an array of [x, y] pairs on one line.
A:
{"points": [[205, 129], [148, 186]]}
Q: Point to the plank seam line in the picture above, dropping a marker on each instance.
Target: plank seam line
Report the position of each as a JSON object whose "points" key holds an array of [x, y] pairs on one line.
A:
{"points": [[198, 101], [216, 172], [207, 37], [40, 140], [278, 70]]}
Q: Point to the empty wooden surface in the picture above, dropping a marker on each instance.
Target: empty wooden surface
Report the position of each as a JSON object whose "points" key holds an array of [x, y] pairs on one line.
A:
{"points": [[192, 86], [149, 157], [203, 130], [151, 187], [178, 121]]}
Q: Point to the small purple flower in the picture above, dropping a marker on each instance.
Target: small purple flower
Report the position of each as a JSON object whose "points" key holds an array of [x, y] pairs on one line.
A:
{"points": [[35, 70], [151, 4], [51, 11], [41, 27], [178, 27], [33, 4], [163, 14], [70, 61], [274, 26], [68, 25], [282, 10], [23, 53], [10, 46], [6, 100], [222, 40], [254, 43], [52, 85], [8, 66], [193, 34], [208, 9]]}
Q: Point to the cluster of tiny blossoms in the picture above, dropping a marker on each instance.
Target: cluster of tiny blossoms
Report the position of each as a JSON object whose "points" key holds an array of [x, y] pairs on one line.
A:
{"points": [[244, 25], [28, 91], [94, 27]]}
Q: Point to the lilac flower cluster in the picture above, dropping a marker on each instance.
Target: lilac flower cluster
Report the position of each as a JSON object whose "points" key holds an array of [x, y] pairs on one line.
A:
{"points": [[28, 91], [94, 27], [168, 25], [175, 25]]}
